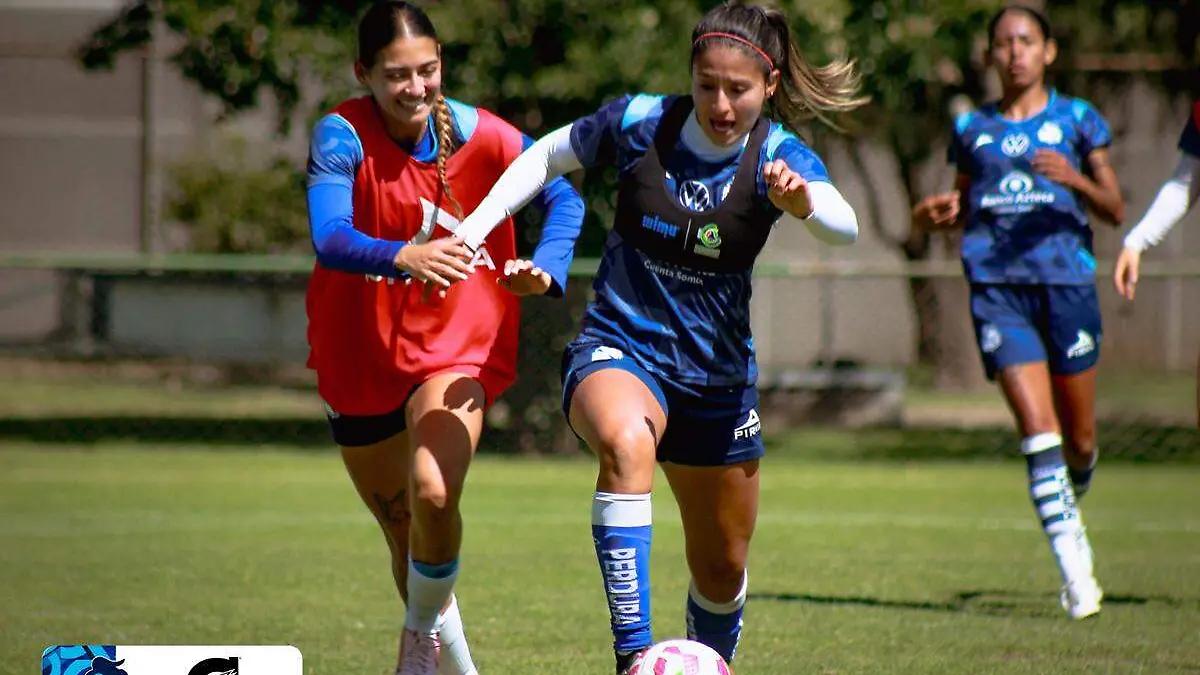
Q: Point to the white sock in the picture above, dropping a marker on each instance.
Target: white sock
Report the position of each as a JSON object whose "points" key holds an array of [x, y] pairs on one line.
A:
{"points": [[429, 587], [456, 655], [1054, 500]]}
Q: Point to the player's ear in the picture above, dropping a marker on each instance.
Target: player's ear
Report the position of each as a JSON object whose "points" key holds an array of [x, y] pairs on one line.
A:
{"points": [[360, 73], [1051, 51]]}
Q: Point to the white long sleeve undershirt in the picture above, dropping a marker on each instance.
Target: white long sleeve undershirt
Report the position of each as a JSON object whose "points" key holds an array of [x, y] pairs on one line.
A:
{"points": [[1176, 197], [833, 220], [549, 157]]}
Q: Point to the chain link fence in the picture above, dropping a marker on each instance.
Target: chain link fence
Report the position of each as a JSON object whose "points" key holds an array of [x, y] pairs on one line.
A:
{"points": [[201, 354]]}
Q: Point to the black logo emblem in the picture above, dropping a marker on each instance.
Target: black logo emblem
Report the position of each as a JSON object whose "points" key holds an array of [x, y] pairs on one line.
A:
{"points": [[227, 666]]}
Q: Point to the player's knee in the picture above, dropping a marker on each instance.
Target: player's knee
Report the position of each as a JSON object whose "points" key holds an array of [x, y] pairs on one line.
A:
{"points": [[627, 448], [432, 496], [1082, 441]]}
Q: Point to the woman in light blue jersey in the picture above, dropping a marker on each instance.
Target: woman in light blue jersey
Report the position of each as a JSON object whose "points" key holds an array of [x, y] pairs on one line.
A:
{"points": [[663, 367], [1028, 167]]}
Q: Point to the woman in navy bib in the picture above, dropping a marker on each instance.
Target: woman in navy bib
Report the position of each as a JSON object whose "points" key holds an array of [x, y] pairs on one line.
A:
{"points": [[663, 367]]}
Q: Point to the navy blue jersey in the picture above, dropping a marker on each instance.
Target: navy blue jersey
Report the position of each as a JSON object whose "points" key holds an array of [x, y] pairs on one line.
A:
{"points": [[1023, 228], [1189, 142], [687, 326]]}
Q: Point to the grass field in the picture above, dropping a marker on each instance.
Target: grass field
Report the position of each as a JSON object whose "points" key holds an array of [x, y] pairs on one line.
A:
{"points": [[880, 567]]}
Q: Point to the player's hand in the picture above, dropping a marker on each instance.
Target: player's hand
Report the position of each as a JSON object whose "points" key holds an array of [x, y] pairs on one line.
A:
{"points": [[522, 277], [437, 263], [1056, 167], [1126, 274], [786, 189], [938, 212]]}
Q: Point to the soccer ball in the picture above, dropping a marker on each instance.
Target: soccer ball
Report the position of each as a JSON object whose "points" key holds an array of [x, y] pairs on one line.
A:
{"points": [[679, 657]]}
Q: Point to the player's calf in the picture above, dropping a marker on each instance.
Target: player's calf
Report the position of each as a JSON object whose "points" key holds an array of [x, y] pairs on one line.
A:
{"points": [[621, 534], [1081, 477]]}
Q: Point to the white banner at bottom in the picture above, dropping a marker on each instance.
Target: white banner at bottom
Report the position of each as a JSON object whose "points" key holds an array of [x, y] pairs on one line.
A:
{"points": [[171, 660]]}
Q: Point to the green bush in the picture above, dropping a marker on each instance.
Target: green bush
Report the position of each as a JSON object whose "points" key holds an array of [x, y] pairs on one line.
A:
{"points": [[235, 204]]}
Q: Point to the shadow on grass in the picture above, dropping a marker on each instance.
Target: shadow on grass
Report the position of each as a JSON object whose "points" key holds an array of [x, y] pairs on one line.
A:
{"points": [[298, 432], [305, 434], [995, 602]]}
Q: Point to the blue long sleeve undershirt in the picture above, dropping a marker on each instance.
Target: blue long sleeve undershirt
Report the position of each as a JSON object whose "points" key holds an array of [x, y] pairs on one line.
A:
{"points": [[334, 156]]}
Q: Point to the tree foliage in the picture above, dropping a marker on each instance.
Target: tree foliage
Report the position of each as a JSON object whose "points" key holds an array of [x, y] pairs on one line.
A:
{"points": [[543, 63]]}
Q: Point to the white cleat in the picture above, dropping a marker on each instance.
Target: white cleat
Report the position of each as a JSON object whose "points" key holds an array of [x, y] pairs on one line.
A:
{"points": [[1082, 598], [418, 653]]}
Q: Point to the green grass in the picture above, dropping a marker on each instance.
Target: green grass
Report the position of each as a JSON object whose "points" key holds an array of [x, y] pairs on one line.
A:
{"points": [[913, 568], [74, 395], [75, 405], [1169, 397]]}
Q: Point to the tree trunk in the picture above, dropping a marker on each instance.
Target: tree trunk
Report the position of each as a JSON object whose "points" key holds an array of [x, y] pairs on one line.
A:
{"points": [[945, 339]]}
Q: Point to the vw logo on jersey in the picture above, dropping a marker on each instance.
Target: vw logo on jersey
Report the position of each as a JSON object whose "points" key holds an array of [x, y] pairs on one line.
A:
{"points": [[1016, 182], [1015, 145], [695, 195], [1050, 134]]}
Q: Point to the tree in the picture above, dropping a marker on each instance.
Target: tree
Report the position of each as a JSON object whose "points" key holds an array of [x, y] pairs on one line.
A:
{"points": [[539, 63], [918, 56], [542, 63]]}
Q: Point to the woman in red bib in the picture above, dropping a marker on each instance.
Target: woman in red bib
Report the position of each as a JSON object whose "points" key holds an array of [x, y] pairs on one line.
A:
{"points": [[407, 374]]}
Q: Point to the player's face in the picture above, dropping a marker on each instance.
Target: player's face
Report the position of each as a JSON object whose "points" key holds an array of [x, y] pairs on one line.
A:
{"points": [[405, 81], [729, 90], [1020, 52]]}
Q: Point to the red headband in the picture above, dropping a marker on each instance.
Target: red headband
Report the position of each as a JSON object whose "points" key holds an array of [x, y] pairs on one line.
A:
{"points": [[738, 38]]}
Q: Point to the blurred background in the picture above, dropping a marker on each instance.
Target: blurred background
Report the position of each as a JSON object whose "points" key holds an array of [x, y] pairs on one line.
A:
{"points": [[154, 248], [167, 477]]}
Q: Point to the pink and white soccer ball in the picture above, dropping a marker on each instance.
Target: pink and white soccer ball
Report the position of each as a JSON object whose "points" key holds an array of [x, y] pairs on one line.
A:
{"points": [[679, 657]]}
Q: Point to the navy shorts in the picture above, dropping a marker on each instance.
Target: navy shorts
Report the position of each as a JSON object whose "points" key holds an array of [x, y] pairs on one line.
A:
{"points": [[353, 431], [706, 426], [1016, 324]]}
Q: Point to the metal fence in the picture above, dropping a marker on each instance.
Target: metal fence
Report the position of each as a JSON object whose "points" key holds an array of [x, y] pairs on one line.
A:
{"points": [[211, 349]]}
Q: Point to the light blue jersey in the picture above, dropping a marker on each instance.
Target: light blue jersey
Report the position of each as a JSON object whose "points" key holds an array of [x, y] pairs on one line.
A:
{"points": [[1022, 227]]}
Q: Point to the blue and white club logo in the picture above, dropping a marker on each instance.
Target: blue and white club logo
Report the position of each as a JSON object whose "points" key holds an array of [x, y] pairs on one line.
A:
{"points": [[1050, 134], [1016, 192], [1016, 183], [1015, 145]]}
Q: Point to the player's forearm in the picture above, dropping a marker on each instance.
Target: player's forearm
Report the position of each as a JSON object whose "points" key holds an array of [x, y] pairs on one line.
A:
{"points": [[549, 157], [833, 220], [1173, 201], [564, 221], [338, 245]]}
